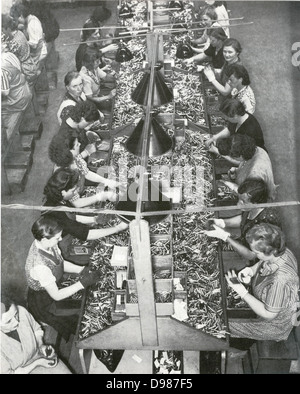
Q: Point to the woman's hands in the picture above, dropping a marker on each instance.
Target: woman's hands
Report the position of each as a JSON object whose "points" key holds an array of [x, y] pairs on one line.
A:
{"points": [[245, 275], [112, 93], [109, 48], [90, 148], [217, 233], [47, 351], [235, 284], [210, 143], [209, 73], [111, 184], [49, 359]]}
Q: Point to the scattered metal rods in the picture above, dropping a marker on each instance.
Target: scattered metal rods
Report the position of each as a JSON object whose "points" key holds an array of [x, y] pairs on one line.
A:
{"points": [[193, 251], [160, 247]]}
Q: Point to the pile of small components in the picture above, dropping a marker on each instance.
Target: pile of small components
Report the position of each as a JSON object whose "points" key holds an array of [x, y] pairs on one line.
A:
{"points": [[191, 250]]}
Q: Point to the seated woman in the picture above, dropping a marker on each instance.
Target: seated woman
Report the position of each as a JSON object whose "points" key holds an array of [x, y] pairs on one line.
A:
{"points": [[58, 192], [91, 43], [22, 344], [231, 52], [251, 191], [254, 162], [240, 122], [222, 14], [239, 80], [214, 53], [64, 151], [208, 19], [91, 76], [74, 94], [274, 287], [33, 30], [44, 270], [99, 15], [80, 118], [18, 41]]}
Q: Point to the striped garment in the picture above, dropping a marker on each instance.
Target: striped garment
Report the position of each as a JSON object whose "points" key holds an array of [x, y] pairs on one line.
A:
{"points": [[4, 81], [278, 290]]}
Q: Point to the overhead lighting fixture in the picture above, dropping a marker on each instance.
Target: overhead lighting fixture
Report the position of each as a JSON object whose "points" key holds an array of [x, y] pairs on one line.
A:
{"points": [[159, 141], [161, 92], [152, 200]]}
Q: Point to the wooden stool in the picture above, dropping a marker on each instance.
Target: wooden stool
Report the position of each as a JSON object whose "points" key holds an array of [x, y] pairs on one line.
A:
{"points": [[275, 357]]}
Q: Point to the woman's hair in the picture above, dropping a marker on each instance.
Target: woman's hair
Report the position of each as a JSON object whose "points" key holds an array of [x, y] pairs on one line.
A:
{"points": [[8, 22], [239, 71], [232, 107], [224, 146], [237, 145], [92, 26], [59, 150], [61, 179], [18, 10], [218, 33], [242, 145], [45, 227], [210, 12], [85, 109], [257, 190], [232, 42], [100, 14], [70, 76], [88, 60], [268, 239]]}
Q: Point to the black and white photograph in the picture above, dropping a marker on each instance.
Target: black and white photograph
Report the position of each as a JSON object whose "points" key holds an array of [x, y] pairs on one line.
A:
{"points": [[150, 190]]}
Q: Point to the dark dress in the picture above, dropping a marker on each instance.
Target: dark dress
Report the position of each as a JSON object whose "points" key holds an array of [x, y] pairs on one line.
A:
{"points": [[250, 127], [217, 59], [82, 50], [40, 304], [71, 229], [79, 133], [267, 215]]}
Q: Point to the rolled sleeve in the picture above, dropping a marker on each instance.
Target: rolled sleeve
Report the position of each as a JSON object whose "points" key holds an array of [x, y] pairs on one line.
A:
{"points": [[277, 297]]}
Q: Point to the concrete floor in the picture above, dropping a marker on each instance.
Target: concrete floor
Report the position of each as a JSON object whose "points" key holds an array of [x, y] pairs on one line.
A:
{"points": [[276, 82]]}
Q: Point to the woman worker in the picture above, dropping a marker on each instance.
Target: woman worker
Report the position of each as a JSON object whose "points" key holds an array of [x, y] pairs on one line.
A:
{"points": [[214, 53], [80, 118], [231, 52], [251, 191], [44, 270], [239, 81], [64, 151], [254, 162], [22, 346], [274, 287], [33, 30], [91, 76], [239, 121], [74, 94], [29, 67], [208, 18], [91, 43], [58, 192]]}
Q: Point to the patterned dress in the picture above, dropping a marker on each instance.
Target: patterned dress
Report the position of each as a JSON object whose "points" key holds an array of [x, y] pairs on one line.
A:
{"points": [[278, 291], [40, 304], [246, 97]]}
